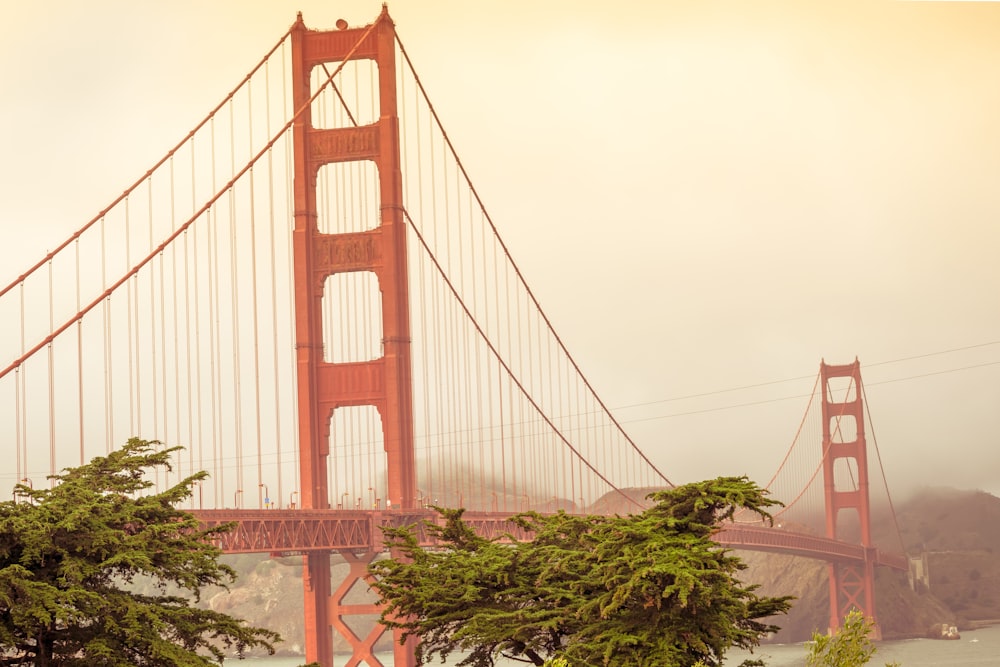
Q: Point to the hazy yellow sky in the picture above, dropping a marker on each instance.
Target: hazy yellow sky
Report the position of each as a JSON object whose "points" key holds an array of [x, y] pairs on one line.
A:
{"points": [[703, 195]]}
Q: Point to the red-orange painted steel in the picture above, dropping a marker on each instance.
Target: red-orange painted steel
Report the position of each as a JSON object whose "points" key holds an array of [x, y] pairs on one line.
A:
{"points": [[298, 531], [384, 382], [852, 584], [775, 540]]}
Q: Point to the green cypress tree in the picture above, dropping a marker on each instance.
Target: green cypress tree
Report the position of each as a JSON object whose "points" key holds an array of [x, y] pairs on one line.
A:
{"points": [[70, 554], [646, 589]]}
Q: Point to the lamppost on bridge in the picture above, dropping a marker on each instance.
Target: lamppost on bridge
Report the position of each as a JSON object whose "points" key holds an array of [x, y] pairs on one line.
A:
{"points": [[200, 495], [236, 498], [31, 485], [267, 495], [342, 505], [371, 492], [291, 500]]}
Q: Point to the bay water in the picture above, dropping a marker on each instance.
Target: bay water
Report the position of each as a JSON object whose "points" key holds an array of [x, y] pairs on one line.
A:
{"points": [[976, 648]]}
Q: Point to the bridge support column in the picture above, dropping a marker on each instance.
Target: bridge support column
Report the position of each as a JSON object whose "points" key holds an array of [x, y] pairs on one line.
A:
{"points": [[845, 484], [385, 382], [316, 592]]}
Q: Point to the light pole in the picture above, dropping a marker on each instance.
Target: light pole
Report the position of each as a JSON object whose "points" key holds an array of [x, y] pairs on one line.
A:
{"points": [[267, 495], [31, 485], [199, 494], [236, 498], [343, 501]]}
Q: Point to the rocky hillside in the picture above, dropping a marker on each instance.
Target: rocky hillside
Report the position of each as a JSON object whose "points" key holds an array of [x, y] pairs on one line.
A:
{"points": [[953, 530], [902, 612], [957, 533], [268, 593]]}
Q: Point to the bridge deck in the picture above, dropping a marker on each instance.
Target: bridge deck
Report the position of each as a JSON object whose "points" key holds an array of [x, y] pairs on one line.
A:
{"points": [[300, 531]]}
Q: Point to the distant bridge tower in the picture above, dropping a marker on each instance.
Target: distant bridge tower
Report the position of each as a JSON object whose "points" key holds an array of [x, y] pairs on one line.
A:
{"points": [[845, 483], [385, 382]]}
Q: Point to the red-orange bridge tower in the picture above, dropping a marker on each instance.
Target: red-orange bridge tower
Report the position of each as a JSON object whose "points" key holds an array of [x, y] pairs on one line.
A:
{"points": [[324, 386]]}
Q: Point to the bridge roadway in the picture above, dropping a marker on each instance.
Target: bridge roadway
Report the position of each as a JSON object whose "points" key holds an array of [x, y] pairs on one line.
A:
{"points": [[291, 531]]}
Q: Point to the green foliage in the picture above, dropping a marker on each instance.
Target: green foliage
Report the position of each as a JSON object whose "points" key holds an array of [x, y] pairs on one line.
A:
{"points": [[70, 554], [648, 589], [848, 647]]}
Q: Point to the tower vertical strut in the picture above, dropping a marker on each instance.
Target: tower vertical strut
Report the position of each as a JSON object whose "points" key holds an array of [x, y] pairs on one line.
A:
{"points": [[852, 585], [385, 382]]}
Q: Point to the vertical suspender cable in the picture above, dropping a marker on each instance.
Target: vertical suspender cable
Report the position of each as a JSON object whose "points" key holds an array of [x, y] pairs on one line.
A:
{"points": [[152, 318], [255, 344], [235, 309], [189, 380], [51, 383], [79, 353], [481, 418], [176, 314], [108, 423], [193, 293], [164, 394], [583, 427], [451, 334], [500, 319], [510, 385], [462, 379], [525, 416], [128, 299], [213, 313], [19, 398], [256, 321], [438, 429]]}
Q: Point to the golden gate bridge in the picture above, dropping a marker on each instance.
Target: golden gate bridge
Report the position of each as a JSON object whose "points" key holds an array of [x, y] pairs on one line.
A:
{"points": [[309, 295]]}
